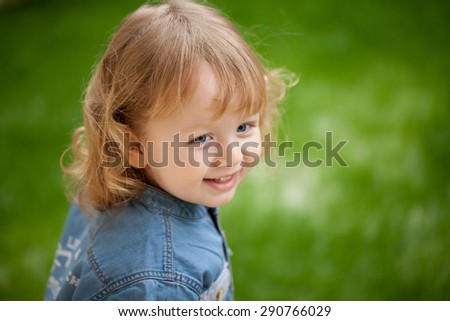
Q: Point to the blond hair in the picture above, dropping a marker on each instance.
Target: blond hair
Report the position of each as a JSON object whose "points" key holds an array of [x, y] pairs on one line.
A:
{"points": [[148, 70]]}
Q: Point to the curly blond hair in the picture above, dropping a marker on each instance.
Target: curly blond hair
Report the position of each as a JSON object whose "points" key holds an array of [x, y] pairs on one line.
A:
{"points": [[149, 68]]}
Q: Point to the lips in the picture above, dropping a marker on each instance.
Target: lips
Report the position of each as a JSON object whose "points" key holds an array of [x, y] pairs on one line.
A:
{"points": [[223, 183]]}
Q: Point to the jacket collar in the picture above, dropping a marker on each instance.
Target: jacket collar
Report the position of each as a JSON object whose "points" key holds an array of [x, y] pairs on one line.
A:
{"points": [[156, 198]]}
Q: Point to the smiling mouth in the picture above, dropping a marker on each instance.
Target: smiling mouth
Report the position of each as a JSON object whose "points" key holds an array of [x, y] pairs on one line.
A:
{"points": [[221, 179], [222, 183]]}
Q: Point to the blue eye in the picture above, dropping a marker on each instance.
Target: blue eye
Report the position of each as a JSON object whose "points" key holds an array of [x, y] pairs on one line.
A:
{"points": [[202, 139], [242, 128]]}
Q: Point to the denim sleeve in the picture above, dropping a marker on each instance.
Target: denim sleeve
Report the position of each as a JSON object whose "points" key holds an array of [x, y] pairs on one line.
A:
{"points": [[154, 290]]}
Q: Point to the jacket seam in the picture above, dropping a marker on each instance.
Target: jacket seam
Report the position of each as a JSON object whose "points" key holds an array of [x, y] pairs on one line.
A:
{"points": [[178, 278], [168, 251], [96, 268], [163, 209]]}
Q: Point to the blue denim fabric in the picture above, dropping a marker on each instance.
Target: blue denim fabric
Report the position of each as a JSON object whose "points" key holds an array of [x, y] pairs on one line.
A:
{"points": [[158, 248]]}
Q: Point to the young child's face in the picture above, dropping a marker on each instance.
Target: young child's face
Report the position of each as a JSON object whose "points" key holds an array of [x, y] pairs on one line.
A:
{"points": [[202, 159]]}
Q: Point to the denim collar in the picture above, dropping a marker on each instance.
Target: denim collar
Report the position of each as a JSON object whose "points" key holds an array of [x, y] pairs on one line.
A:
{"points": [[156, 198]]}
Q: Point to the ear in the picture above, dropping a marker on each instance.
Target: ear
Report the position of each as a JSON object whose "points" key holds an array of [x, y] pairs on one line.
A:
{"points": [[134, 150]]}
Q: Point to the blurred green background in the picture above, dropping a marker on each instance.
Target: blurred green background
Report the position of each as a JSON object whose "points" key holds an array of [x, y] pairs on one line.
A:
{"points": [[375, 73]]}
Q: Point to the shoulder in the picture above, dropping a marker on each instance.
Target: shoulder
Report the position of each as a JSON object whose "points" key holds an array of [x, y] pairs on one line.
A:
{"points": [[153, 254]]}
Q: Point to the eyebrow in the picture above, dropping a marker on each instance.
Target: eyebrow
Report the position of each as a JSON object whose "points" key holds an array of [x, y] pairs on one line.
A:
{"points": [[199, 126], [193, 128]]}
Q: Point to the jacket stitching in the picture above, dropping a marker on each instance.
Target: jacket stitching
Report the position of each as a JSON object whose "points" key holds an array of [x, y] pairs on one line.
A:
{"points": [[96, 268], [148, 275], [168, 253], [149, 206]]}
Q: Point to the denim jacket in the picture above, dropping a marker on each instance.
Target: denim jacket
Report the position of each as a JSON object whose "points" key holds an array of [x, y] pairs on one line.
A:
{"points": [[158, 248]]}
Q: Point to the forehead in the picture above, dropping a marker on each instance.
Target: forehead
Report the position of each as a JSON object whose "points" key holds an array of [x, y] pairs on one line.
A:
{"points": [[203, 109], [213, 96], [206, 92], [204, 106]]}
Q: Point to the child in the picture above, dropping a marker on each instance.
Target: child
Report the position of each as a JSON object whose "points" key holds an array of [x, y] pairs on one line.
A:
{"points": [[172, 124]]}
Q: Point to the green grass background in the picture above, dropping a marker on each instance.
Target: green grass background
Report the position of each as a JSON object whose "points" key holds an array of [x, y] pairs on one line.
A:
{"points": [[375, 73]]}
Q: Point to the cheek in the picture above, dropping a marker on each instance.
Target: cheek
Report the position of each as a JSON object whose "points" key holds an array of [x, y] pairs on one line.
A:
{"points": [[188, 164], [256, 146], [157, 154], [251, 149], [188, 158]]}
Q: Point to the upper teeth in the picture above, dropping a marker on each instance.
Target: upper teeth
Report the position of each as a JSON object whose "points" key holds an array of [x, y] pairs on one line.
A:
{"points": [[223, 179]]}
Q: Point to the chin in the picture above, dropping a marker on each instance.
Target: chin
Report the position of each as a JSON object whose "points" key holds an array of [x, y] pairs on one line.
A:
{"points": [[219, 201]]}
